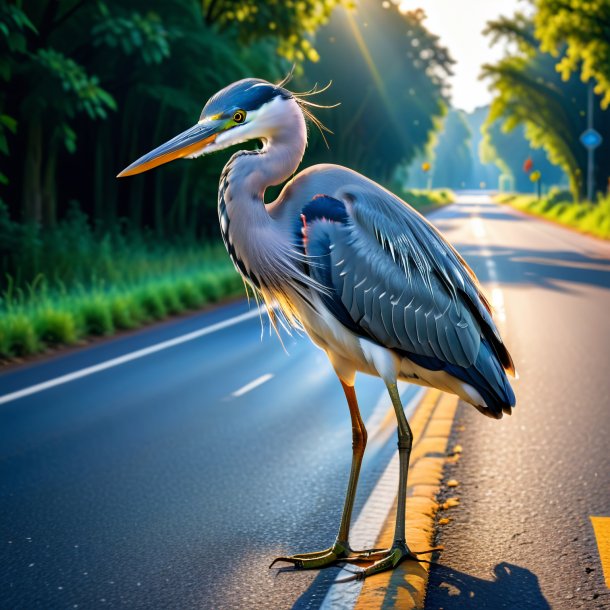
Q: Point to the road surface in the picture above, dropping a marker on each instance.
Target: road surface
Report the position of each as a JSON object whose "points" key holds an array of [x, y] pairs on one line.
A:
{"points": [[529, 484], [172, 478]]}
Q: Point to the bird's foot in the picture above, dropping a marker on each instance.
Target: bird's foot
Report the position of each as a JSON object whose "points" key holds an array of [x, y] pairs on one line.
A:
{"points": [[383, 559], [319, 559]]}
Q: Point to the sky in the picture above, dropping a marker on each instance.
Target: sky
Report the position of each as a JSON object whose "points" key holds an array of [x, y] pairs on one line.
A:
{"points": [[459, 24]]}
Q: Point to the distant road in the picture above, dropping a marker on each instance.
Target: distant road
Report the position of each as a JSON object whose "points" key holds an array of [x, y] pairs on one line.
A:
{"points": [[172, 465]]}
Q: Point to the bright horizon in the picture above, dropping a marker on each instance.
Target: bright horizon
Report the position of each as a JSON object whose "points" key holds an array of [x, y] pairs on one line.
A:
{"points": [[459, 24]]}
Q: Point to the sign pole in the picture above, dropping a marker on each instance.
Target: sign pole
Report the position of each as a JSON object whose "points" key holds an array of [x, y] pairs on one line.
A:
{"points": [[591, 150], [590, 139]]}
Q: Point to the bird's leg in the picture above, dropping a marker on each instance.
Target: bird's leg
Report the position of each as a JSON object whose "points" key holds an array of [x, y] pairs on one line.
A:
{"points": [[340, 549], [390, 558]]}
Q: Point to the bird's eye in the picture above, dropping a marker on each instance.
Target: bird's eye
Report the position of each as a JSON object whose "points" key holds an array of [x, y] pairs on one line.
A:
{"points": [[239, 116]]}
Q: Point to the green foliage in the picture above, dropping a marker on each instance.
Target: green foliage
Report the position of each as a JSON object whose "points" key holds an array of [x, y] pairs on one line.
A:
{"points": [[97, 316], [71, 89], [452, 165], [125, 311], [110, 281], [50, 317], [583, 27], [509, 150], [389, 73], [17, 335], [14, 27], [292, 23], [133, 33], [54, 326], [592, 218], [530, 92], [423, 200]]}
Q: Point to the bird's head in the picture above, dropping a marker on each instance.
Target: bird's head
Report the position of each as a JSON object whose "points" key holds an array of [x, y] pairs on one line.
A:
{"points": [[246, 110]]}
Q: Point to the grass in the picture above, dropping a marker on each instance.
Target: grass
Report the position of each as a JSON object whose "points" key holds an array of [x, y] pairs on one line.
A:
{"points": [[48, 318], [424, 200], [62, 285], [586, 217]]}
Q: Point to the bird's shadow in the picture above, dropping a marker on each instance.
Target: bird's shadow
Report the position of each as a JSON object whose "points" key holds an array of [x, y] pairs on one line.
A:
{"points": [[512, 587], [560, 270]]}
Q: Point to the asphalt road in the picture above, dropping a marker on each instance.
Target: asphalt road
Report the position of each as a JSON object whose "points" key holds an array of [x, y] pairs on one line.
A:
{"points": [[522, 537], [173, 479]]}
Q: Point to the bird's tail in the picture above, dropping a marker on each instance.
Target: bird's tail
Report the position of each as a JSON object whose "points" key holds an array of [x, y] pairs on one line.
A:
{"points": [[488, 377]]}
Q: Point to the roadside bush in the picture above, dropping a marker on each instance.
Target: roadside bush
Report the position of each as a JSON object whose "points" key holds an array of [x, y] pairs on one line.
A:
{"points": [[151, 303], [55, 326], [593, 218], [17, 336], [96, 316], [189, 294], [558, 196], [125, 312], [170, 298], [211, 287], [231, 282], [423, 199]]}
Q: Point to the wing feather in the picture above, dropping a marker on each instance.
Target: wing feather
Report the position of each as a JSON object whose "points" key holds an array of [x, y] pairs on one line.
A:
{"points": [[399, 281]]}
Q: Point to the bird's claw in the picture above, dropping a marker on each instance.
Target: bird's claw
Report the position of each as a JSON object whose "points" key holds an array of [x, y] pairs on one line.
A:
{"points": [[318, 559], [383, 560]]}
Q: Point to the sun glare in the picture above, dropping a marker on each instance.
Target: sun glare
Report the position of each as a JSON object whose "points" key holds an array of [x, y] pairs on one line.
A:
{"points": [[460, 23]]}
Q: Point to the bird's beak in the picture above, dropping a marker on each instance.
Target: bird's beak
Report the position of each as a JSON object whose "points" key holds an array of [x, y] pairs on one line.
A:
{"points": [[187, 143]]}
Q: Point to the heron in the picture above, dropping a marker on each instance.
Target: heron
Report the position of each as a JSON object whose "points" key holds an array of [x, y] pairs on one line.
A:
{"points": [[366, 276]]}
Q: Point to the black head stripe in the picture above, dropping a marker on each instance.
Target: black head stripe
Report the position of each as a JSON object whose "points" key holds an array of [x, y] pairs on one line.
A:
{"points": [[248, 94]]}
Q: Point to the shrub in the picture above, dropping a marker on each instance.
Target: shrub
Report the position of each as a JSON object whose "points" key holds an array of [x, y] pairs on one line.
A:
{"points": [[189, 294], [17, 336], [211, 287], [170, 298], [593, 218], [125, 312], [55, 326], [151, 304], [96, 316]]}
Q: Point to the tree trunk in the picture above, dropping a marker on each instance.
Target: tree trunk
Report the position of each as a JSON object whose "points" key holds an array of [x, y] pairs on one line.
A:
{"points": [[49, 194], [32, 177], [99, 179], [158, 181]]}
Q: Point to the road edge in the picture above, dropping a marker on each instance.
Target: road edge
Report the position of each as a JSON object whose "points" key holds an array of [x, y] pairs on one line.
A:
{"points": [[406, 586]]}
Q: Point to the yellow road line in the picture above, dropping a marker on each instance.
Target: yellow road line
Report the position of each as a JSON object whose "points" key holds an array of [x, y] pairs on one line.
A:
{"points": [[601, 527], [405, 587]]}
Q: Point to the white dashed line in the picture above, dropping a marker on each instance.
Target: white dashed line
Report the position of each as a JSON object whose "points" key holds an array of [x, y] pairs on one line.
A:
{"points": [[141, 353], [477, 226], [253, 384], [496, 294]]}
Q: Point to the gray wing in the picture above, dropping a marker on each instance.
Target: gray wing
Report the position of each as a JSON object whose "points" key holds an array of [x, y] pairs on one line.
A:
{"points": [[395, 279]]}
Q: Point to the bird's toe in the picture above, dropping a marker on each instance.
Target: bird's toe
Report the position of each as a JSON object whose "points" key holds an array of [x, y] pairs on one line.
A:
{"points": [[317, 559]]}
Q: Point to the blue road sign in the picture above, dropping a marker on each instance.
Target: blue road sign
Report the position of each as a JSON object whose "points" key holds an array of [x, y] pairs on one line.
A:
{"points": [[590, 139]]}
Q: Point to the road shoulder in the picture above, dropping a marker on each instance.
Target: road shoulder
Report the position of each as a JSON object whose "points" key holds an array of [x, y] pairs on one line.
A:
{"points": [[405, 587]]}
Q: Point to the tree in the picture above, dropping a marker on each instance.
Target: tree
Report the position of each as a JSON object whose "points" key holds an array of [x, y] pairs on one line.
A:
{"points": [[509, 150], [50, 89], [453, 160], [583, 30], [388, 72], [89, 86], [291, 24], [530, 92]]}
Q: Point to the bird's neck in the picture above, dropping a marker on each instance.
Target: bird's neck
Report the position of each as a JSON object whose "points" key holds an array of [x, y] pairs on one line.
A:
{"points": [[248, 231]]}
